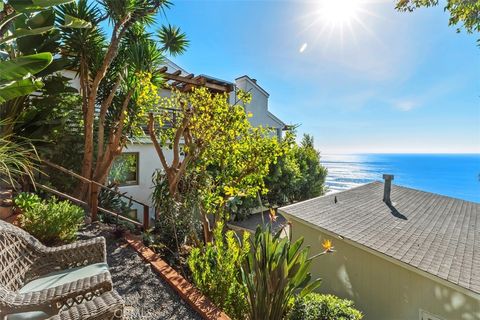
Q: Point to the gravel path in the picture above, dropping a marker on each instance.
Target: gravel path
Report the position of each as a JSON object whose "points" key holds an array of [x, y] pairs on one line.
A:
{"points": [[146, 296]]}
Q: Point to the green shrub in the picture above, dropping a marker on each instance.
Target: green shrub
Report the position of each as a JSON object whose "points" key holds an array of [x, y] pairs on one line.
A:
{"points": [[52, 221], [316, 306], [25, 201], [216, 271], [273, 272]]}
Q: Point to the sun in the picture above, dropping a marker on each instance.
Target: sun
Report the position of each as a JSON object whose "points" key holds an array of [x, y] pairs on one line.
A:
{"points": [[338, 13], [337, 22]]}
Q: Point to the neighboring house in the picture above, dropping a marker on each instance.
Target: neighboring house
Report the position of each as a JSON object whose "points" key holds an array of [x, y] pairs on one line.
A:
{"points": [[416, 257], [144, 160], [259, 105]]}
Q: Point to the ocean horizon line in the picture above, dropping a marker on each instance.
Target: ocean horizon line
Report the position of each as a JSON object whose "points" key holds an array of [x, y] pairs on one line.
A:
{"points": [[399, 153]]}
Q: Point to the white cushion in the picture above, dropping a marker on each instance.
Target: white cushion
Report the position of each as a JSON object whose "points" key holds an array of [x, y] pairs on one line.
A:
{"points": [[59, 278], [55, 279]]}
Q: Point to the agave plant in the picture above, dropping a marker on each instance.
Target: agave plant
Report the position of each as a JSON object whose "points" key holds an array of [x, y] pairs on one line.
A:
{"points": [[274, 271]]}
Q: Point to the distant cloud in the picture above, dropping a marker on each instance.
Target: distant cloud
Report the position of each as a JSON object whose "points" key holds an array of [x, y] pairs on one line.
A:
{"points": [[406, 105], [426, 96]]}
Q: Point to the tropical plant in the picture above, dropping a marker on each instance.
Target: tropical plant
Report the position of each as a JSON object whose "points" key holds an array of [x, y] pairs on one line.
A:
{"points": [[216, 271], [111, 69], [273, 272], [52, 221], [16, 75], [316, 306], [29, 39], [113, 201], [26, 201]]}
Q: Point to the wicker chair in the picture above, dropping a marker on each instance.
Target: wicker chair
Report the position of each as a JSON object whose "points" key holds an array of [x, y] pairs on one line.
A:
{"points": [[66, 282]]}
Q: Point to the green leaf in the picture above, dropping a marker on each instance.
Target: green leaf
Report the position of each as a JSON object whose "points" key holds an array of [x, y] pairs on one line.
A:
{"points": [[45, 18], [23, 66], [56, 66], [50, 3], [20, 32], [8, 19], [27, 6], [24, 6], [19, 88], [73, 22]]}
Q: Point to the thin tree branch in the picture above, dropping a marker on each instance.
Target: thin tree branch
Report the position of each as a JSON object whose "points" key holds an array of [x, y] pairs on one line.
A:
{"points": [[158, 148]]}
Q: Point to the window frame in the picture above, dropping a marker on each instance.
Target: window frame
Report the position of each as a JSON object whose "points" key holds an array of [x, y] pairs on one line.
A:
{"points": [[135, 182]]}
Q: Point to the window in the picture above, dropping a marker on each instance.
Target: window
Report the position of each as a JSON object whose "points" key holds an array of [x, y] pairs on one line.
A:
{"points": [[124, 170]]}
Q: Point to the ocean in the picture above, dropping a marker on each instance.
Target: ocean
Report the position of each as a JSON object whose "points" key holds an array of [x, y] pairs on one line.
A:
{"points": [[454, 175]]}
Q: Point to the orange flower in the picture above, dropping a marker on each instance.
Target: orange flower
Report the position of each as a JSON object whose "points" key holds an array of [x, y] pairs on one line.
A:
{"points": [[273, 215], [327, 245]]}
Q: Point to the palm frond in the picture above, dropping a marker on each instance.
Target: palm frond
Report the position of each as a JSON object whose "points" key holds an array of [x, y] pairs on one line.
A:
{"points": [[174, 41]]}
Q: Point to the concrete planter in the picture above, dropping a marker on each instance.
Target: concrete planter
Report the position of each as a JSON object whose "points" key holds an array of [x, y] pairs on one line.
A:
{"points": [[6, 204]]}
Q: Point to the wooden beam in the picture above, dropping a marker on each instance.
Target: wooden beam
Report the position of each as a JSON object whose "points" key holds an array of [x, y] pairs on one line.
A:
{"points": [[177, 73], [162, 69], [196, 81], [171, 76], [218, 87], [176, 83]]}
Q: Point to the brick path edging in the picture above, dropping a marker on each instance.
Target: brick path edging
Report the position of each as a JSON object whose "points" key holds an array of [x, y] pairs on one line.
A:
{"points": [[185, 289]]}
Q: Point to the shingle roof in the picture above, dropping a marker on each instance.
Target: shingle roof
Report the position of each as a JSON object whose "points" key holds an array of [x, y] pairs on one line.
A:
{"points": [[434, 233]]}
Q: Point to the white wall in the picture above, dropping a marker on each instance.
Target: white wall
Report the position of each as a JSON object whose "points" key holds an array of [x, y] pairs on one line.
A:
{"points": [[259, 104], [75, 81], [148, 163]]}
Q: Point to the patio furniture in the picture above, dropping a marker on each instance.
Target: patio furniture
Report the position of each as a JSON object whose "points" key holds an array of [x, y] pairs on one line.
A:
{"points": [[109, 306], [37, 282]]}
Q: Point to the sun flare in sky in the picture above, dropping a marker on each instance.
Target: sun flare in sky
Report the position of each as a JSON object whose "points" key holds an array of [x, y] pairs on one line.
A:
{"points": [[337, 13], [338, 19]]}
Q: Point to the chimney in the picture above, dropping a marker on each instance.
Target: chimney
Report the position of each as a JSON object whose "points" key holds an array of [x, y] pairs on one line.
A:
{"points": [[387, 188]]}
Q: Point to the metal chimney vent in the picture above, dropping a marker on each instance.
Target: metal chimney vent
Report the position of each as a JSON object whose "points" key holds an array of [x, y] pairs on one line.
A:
{"points": [[387, 188]]}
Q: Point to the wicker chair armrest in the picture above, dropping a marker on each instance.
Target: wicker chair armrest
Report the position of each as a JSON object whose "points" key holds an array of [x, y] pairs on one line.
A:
{"points": [[53, 299], [73, 255], [109, 306]]}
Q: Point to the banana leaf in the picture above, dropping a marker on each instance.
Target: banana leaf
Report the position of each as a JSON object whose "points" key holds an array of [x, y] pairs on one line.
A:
{"points": [[19, 88], [21, 67]]}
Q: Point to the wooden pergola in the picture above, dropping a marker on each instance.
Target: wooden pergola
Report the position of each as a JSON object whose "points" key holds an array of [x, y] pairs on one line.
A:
{"points": [[187, 82]]}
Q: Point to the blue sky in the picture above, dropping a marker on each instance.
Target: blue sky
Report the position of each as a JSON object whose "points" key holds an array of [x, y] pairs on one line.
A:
{"points": [[392, 82]]}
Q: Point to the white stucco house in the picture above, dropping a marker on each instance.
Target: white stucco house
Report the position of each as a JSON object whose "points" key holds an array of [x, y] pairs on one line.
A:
{"points": [[142, 154]]}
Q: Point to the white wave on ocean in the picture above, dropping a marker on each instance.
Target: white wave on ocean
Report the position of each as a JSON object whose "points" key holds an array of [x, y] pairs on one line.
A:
{"points": [[454, 175], [349, 171]]}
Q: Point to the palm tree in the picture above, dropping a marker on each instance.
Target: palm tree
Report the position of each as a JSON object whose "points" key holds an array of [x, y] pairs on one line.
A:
{"points": [[107, 68]]}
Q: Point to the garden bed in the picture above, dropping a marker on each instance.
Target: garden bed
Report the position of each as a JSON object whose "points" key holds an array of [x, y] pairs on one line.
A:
{"points": [[147, 295]]}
